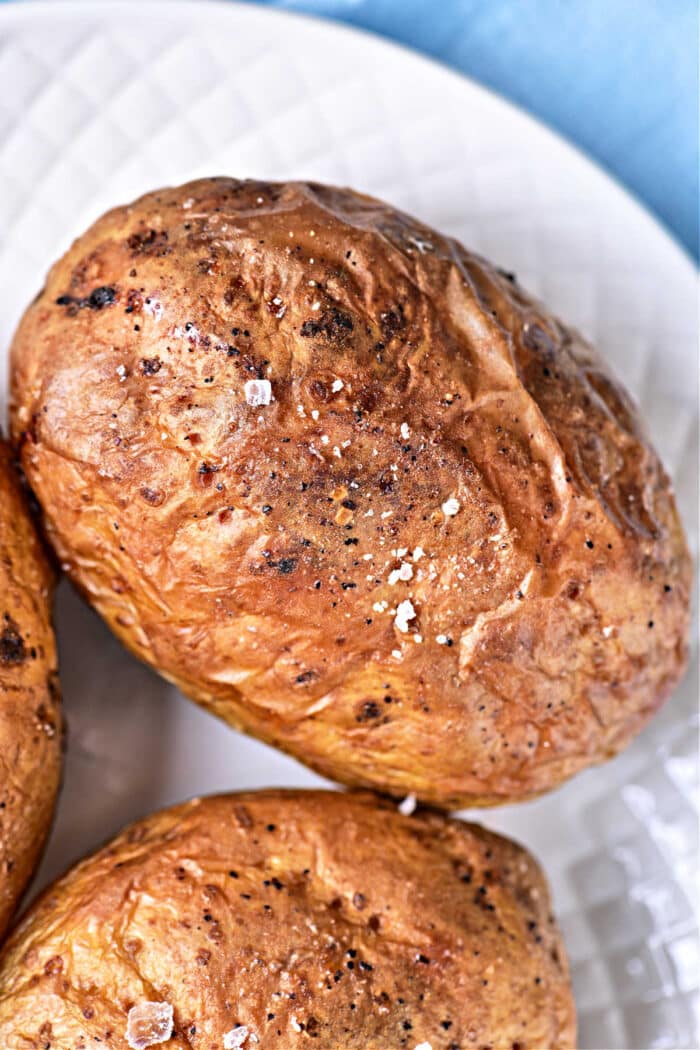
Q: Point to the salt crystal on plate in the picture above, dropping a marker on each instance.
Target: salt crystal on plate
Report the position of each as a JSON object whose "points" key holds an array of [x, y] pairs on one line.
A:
{"points": [[258, 392], [149, 1024]]}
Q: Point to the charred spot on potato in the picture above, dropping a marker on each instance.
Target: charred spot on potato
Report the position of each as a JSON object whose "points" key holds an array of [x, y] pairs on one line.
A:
{"points": [[206, 472], [148, 242], [150, 366], [285, 566], [318, 390], [333, 325], [368, 710], [98, 298], [12, 648], [101, 297], [391, 322]]}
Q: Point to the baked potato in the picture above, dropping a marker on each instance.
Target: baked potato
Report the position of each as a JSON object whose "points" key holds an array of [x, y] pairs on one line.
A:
{"points": [[352, 489], [30, 717], [286, 919]]}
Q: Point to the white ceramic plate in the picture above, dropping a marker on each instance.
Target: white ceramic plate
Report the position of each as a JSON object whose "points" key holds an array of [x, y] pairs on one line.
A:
{"points": [[99, 103]]}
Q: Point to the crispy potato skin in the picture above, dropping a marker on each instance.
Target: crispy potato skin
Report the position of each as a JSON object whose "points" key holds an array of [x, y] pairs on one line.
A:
{"points": [[279, 911], [30, 717], [246, 552]]}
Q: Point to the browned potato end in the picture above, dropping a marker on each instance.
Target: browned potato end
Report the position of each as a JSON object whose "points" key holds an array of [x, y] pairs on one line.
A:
{"points": [[30, 718]]}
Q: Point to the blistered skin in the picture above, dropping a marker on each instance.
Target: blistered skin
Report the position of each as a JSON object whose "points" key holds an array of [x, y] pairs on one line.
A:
{"points": [[310, 918], [442, 559], [30, 719]]}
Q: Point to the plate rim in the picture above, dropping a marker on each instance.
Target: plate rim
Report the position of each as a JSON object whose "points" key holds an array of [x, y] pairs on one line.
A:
{"points": [[16, 11]]}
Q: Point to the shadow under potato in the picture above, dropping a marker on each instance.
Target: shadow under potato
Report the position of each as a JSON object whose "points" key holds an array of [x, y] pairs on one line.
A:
{"points": [[118, 736]]}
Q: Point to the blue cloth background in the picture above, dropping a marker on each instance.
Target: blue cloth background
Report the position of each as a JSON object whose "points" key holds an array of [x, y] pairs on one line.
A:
{"points": [[619, 78]]}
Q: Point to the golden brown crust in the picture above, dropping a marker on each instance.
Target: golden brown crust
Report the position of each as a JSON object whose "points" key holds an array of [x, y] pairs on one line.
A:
{"points": [[248, 553], [30, 719], [313, 918]]}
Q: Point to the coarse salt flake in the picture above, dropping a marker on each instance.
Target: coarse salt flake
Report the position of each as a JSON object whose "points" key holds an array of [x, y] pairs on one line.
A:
{"points": [[258, 392], [404, 613], [418, 553], [408, 805], [423, 1046], [403, 573], [337, 385], [441, 639], [149, 1024], [238, 1037], [450, 507], [405, 431]]}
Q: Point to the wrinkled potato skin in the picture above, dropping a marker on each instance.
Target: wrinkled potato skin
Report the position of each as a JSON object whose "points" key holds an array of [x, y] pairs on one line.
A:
{"points": [[30, 718], [334, 899], [229, 546]]}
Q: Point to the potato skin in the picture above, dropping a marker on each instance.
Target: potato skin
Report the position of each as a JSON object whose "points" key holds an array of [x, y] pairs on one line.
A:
{"points": [[247, 552], [279, 911], [30, 716]]}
